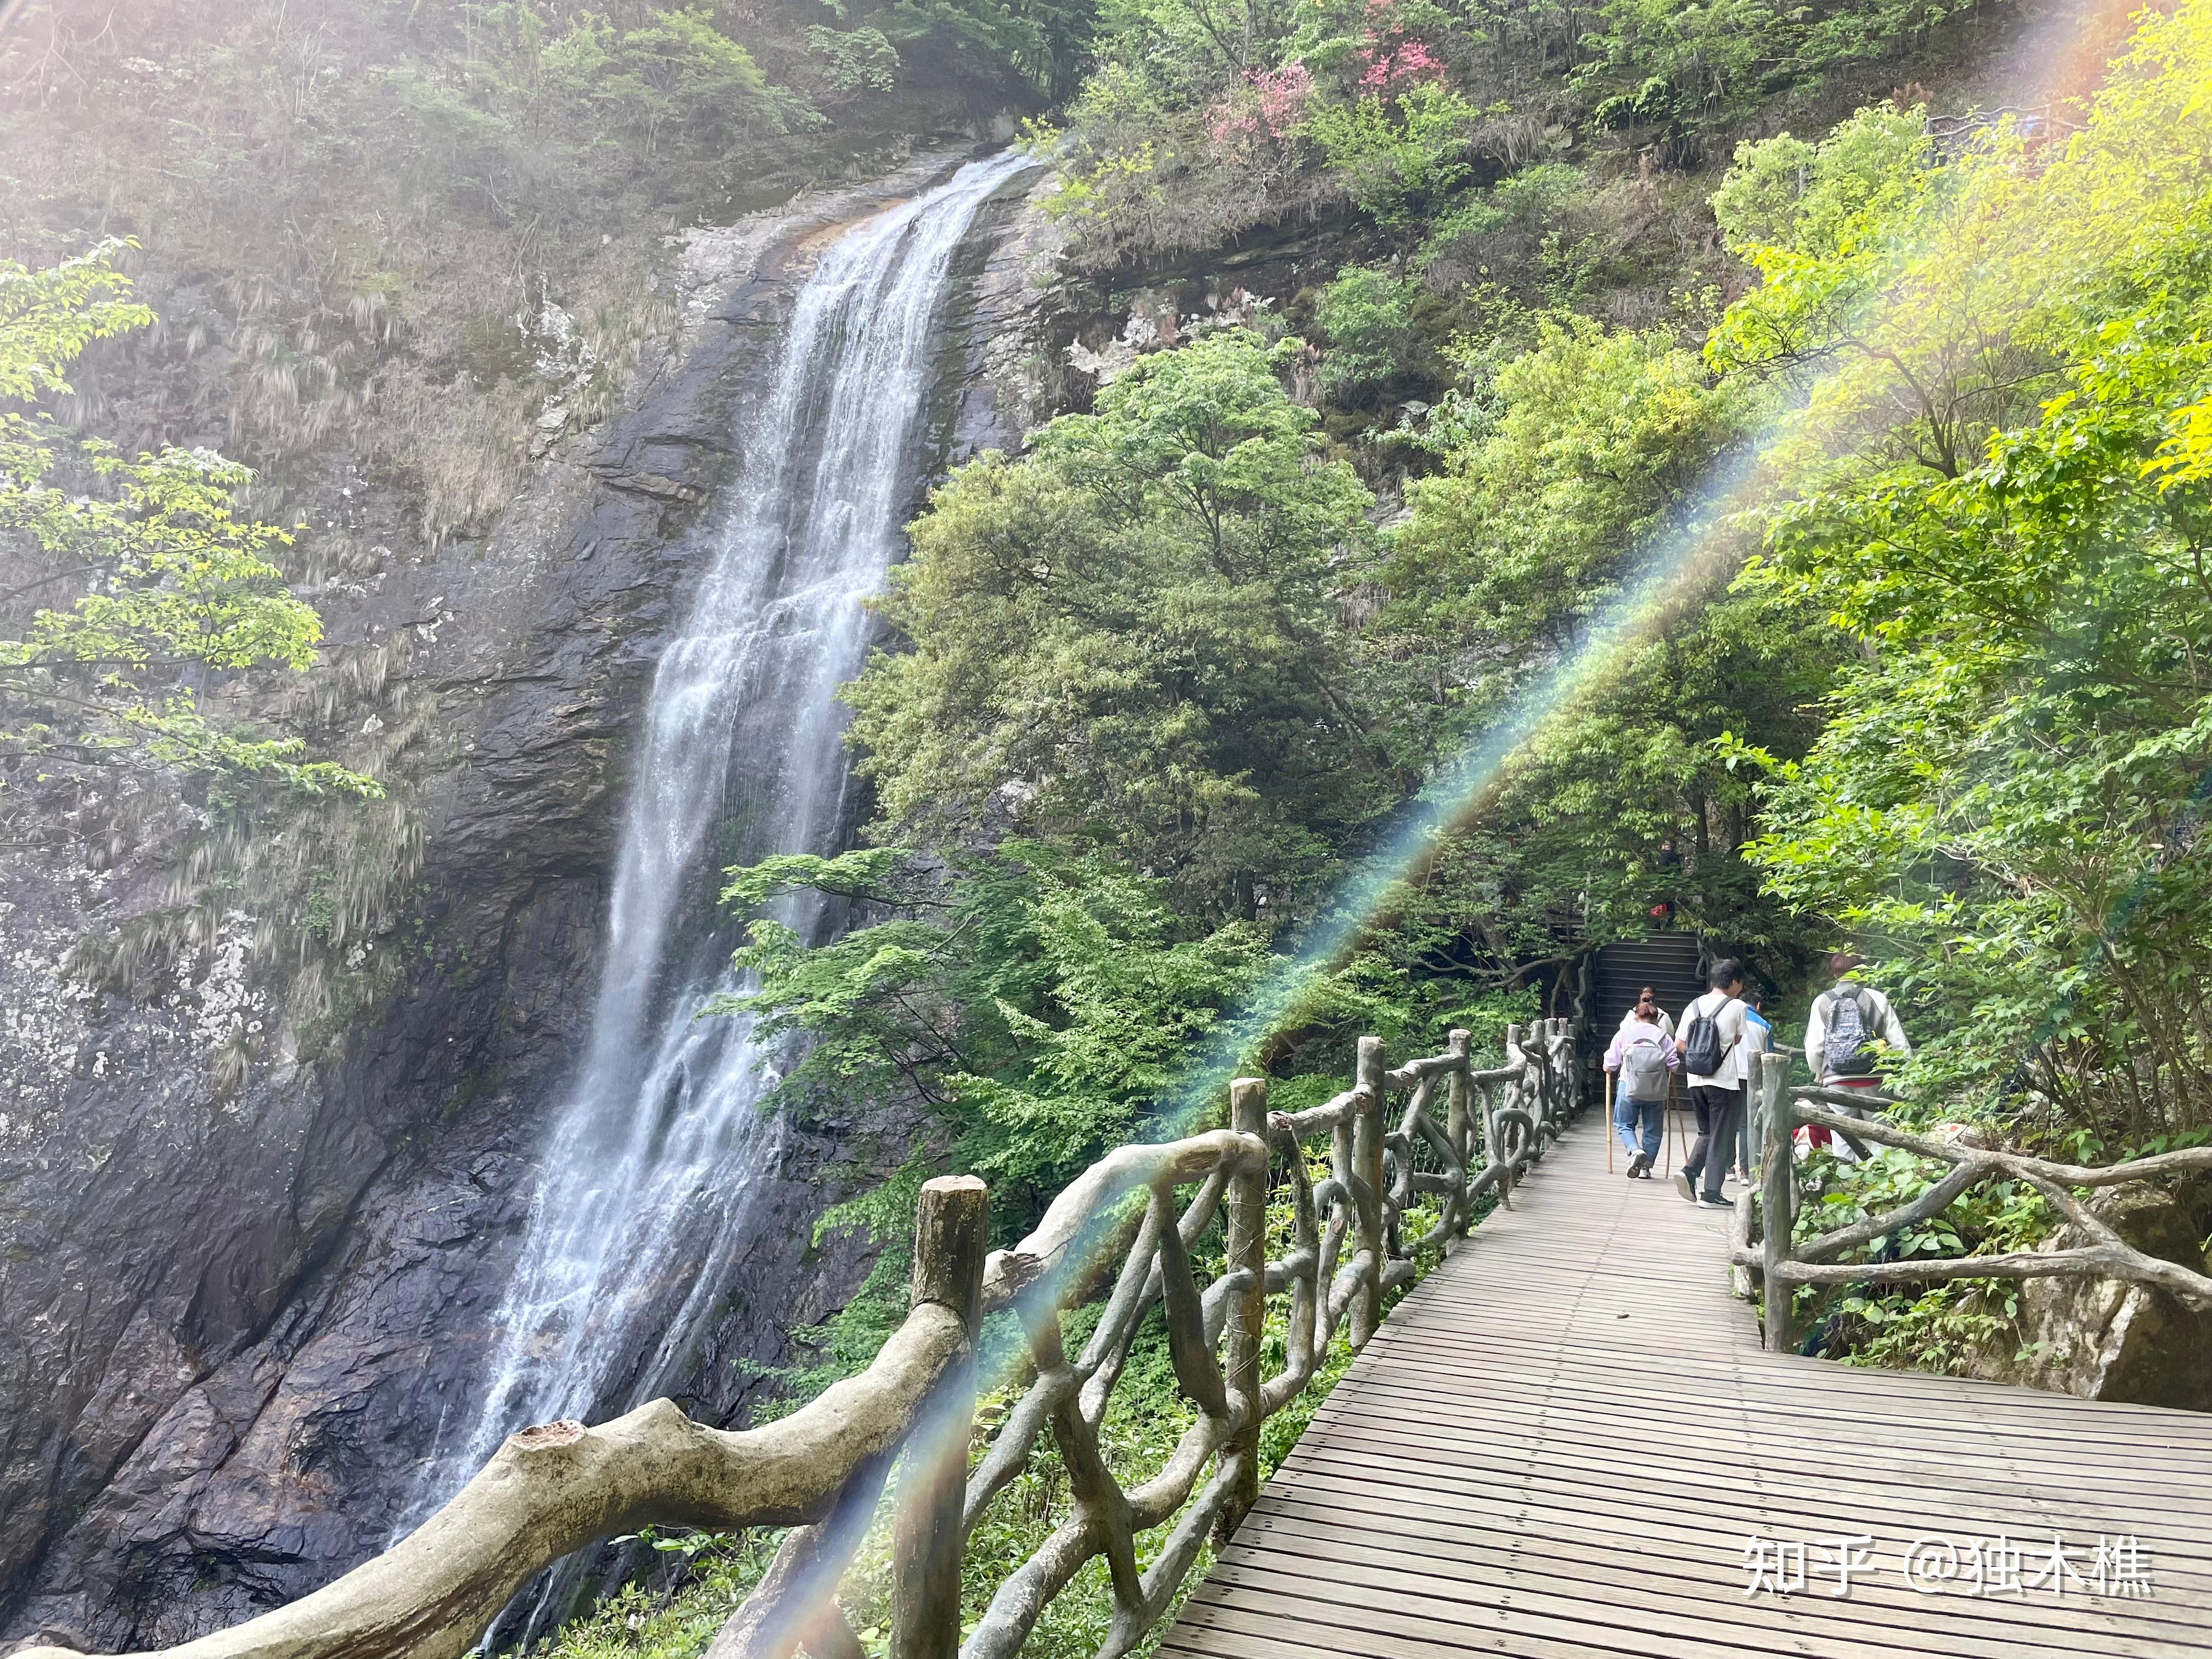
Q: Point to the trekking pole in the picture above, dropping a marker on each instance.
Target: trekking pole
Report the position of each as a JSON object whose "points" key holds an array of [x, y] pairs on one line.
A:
{"points": [[1609, 1086], [1674, 1135]]}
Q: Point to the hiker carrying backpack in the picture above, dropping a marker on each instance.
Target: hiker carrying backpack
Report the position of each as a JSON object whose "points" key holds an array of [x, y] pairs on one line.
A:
{"points": [[1712, 1028], [1642, 1056], [1848, 1050], [1703, 1046], [1645, 1071], [1848, 1020]]}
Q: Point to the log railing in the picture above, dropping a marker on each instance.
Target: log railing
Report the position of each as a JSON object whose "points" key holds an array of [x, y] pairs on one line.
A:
{"points": [[1766, 1253], [1403, 1146]]}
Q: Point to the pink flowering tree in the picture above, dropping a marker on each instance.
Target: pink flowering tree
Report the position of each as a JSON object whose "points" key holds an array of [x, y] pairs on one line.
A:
{"points": [[1270, 104], [1391, 57]]}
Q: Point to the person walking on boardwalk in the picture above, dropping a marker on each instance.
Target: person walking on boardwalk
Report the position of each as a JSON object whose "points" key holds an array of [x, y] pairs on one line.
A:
{"points": [[1848, 1021], [1758, 1039], [1642, 1061], [1713, 1030], [1658, 1016]]}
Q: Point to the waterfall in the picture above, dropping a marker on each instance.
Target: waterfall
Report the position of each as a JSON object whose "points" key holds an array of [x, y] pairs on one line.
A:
{"points": [[640, 1206]]}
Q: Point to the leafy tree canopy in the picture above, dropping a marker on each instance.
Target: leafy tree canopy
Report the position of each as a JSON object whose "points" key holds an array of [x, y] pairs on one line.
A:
{"points": [[1128, 638], [132, 576], [2006, 792]]}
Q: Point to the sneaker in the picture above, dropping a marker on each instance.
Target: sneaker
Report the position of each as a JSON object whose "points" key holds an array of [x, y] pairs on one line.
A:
{"points": [[1638, 1164], [1714, 1201], [1682, 1186]]}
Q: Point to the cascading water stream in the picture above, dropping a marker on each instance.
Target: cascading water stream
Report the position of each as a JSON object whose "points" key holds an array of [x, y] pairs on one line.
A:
{"points": [[640, 1207]]}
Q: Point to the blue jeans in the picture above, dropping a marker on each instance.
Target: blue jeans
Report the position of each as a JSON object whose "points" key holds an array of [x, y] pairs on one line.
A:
{"points": [[1632, 1118]]}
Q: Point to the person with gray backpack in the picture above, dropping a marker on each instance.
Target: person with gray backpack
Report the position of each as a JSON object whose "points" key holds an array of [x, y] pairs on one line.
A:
{"points": [[1643, 1061], [1850, 1025]]}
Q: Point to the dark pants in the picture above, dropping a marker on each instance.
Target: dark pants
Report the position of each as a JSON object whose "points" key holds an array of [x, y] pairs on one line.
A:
{"points": [[1719, 1111]]}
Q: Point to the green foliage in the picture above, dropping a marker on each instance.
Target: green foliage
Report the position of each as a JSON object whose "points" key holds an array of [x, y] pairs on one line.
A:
{"points": [[1937, 1327], [679, 70], [1568, 460], [2010, 780], [1839, 199], [1197, 125], [1046, 1004], [1694, 71], [167, 580], [1368, 318], [1396, 153], [1126, 639], [1595, 435], [672, 1611], [854, 60]]}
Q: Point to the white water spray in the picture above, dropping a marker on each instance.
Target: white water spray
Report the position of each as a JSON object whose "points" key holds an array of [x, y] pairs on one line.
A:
{"points": [[640, 1209]]}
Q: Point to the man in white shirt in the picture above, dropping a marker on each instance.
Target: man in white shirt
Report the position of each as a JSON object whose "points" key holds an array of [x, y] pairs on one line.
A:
{"points": [[1849, 1021], [1716, 1095]]}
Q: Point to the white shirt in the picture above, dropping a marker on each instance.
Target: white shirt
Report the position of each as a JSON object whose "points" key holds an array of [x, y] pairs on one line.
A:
{"points": [[1725, 1011], [1884, 1027], [1758, 1039]]}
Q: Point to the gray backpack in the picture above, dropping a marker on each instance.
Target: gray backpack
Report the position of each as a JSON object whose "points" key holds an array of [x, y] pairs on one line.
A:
{"points": [[1643, 1068], [1848, 1050]]}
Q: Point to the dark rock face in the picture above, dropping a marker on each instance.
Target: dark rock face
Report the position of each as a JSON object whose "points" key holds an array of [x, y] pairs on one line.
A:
{"points": [[229, 1321]]}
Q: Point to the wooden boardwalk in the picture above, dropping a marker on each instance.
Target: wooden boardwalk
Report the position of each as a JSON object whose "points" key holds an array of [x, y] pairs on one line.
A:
{"points": [[1561, 1441]]}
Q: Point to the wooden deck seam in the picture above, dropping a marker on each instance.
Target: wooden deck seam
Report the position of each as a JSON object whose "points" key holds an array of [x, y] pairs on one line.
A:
{"points": [[1497, 1420]]}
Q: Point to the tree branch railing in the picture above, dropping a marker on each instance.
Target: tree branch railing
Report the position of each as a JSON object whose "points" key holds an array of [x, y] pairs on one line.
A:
{"points": [[1403, 1146], [1768, 1253]]}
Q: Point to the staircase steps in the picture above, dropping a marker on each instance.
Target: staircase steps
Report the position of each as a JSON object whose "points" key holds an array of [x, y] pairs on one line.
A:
{"points": [[1669, 962]]}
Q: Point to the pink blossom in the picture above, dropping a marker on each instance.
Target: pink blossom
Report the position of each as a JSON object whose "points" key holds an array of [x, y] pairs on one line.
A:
{"points": [[1282, 94], [1389, 68], [1274, 105]]}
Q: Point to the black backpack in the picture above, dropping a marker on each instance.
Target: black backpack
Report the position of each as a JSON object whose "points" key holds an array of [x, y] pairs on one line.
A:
{"points": [[1701, 1043]]}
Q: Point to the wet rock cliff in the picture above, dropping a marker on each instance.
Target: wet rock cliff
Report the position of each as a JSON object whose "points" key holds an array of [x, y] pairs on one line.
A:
{"points": [[246, 1263]]}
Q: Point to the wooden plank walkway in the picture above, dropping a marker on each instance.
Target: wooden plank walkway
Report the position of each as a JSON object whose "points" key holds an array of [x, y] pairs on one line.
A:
{"points": [[1561, 1441]]}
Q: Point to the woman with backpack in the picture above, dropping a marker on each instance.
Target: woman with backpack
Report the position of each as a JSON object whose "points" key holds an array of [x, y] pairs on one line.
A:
{"points": [[1641, 1061]]}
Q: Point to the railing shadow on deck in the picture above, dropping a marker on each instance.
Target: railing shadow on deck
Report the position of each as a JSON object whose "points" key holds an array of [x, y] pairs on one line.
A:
{"points": [[558, 1487], [1773, 1263]]}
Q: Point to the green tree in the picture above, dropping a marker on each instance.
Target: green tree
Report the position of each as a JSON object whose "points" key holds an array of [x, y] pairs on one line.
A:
{"points": [[1126, 640], [1044, 1005], [1368, 318], [1398, 153], [1558, 465], [131, 575], [2006, 799]]}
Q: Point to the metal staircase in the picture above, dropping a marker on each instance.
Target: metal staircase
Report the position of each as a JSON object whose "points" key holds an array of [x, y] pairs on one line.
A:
{"points": [[1671, 963]]}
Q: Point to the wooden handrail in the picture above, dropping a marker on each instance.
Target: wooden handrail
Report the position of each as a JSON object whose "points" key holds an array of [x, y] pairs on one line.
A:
{"points": [[555, 1489], [1782, 1265]]}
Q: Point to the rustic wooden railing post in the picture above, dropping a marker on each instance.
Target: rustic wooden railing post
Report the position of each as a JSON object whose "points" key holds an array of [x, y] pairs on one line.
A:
{"points": [[1246, 1199], [1459, 1115], [1367, 1163], [1777, 1182], [951, 1235]]}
